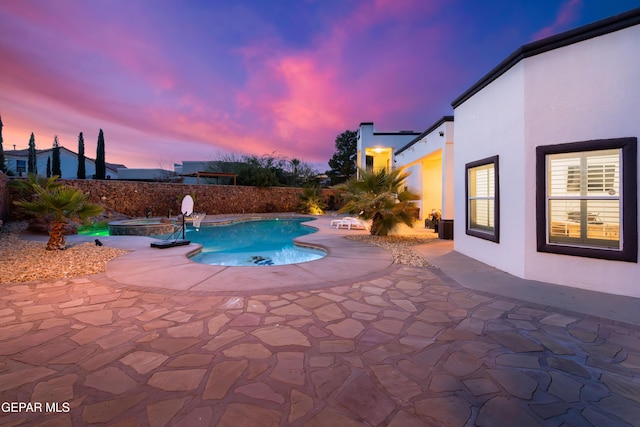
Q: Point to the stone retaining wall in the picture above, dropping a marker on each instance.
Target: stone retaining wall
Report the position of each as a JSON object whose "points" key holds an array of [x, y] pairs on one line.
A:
{"points": [[134, 198], [4, 197]]}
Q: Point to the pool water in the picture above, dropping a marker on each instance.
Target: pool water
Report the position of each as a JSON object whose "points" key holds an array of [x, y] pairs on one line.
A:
{"points": [[98, 230], [253, 243]]}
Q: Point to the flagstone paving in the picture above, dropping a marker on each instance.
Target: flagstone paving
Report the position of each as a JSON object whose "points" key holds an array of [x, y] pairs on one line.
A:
{"points": [[404, 349]]}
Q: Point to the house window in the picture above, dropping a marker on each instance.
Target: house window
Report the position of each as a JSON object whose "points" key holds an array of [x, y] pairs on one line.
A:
{"points": [[586, 203], [21, 166], [482, 197]]}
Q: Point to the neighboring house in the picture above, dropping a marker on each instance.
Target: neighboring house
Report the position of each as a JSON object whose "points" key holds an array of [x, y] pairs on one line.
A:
{"points": [[211, 172], [546, 165], [141, 174], [17, 161], [429, 160], [190, 167]]}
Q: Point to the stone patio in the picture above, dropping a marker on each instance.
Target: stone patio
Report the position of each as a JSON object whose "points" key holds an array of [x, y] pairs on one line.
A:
{"points": [[406, 347]]}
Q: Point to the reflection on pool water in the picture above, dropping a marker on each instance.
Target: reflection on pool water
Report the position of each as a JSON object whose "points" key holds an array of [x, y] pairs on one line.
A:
{"points": [[128, 227], [98, 229], [96, 232], [253, 243]]}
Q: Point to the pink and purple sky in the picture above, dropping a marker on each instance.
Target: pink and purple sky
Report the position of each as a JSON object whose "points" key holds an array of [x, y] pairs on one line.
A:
{"points": [[171, 80]]}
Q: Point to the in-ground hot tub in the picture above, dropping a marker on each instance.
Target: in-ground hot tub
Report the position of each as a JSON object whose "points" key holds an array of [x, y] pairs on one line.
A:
{"points": [[141, 227]]}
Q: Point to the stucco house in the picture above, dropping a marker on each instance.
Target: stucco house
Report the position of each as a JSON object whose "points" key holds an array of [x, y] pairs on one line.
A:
{"points": [[190, 167], [376, 150], [427, 156], [429, 160], [544, 181], [17, 161], [546, 160], [143, 174]]}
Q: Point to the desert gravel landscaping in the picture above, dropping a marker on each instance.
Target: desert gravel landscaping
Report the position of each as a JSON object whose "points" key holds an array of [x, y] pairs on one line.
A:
{"points": [[24, 260], [399, 247]]}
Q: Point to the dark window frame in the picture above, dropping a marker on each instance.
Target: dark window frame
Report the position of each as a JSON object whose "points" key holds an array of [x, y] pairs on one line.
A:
{"points": [[629, 199], [495, 235]]}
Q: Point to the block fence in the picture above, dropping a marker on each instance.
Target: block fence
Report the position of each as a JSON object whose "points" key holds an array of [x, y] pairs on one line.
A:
{"points": [[135, 198]]}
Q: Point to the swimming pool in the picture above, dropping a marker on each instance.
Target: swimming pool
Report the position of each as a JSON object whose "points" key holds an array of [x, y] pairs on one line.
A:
{"points": [[260, 242], [97, 229]]}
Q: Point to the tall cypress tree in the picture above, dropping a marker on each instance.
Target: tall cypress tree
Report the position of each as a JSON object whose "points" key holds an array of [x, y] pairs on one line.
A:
{"points": [[3, 164], [48, 167], [55, 162], [32, 164], [82, 172], [101, 167]]}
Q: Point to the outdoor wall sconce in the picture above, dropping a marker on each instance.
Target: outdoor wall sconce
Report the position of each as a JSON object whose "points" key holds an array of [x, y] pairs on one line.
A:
{"points": [[441, 133]]}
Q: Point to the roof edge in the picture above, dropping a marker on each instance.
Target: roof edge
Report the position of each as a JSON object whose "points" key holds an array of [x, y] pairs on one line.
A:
{"points": [[433, 127], [589, 31], [402, 132], [19, 153]]}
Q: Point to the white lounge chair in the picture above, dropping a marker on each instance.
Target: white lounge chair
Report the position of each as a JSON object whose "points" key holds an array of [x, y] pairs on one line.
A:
{"points": [[352, 223], [335, 222]]}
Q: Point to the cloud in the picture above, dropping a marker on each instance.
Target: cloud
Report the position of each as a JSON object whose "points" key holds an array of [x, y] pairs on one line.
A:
{"points": [[566, 16], [362, 67], [157, 85]]}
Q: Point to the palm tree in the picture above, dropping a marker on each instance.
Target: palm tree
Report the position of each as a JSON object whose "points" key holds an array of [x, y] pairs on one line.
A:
{"points": [[381, 197], [295, 179], [26, 187], [57, 203], [294, 166]]}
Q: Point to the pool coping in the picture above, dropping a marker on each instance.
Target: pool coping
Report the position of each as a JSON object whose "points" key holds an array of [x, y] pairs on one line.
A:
{"points": [[131, 227], [347, 261]]}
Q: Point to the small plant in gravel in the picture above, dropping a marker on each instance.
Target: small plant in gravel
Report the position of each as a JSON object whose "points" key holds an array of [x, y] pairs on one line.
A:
{"points": [[311, 201], [57, 204]]}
